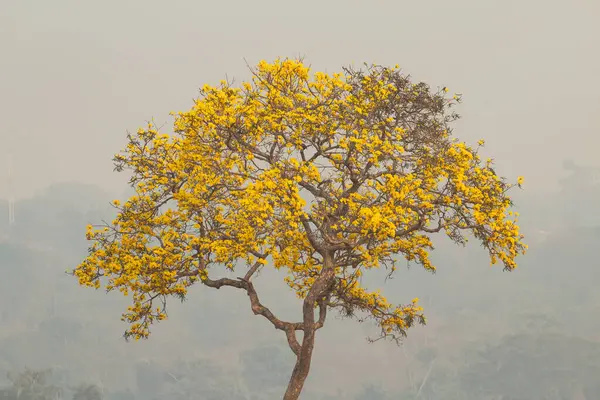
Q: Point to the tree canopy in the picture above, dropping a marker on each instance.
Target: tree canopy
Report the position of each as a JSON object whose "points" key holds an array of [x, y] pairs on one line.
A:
{"points": [[325, 176]]}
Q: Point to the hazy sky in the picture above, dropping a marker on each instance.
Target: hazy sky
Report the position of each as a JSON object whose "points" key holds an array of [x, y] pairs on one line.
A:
{"points": [[76, 75]]}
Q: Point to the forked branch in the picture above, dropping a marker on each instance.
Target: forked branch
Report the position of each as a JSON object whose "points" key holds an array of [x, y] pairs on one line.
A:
{"points": [[257, 307]]}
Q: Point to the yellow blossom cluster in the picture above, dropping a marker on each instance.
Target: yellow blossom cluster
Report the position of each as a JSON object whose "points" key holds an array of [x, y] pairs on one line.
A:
{"points": [[289, 166]]}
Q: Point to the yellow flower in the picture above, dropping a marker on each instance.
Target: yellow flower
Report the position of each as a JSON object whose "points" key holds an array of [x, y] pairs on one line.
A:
{"points": [[242, 191]]}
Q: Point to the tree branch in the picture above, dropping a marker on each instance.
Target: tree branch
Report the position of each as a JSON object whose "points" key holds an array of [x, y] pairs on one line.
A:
{"points": [[323, 303], [310, 234], [257, 307]]}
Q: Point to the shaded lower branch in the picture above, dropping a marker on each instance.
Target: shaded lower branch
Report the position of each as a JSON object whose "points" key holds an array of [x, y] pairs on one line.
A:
{"points": [[257, 307], [323, 304]]}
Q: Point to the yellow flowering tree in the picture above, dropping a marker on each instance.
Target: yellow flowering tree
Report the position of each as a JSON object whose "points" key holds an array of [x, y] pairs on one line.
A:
{"points": [[323, 176]]}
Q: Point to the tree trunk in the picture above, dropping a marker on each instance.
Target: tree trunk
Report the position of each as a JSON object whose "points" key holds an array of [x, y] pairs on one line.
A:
{"points": [[301, 369], [304, 357]]}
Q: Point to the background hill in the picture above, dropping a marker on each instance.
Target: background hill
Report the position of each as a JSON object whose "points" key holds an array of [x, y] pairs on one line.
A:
{"points": [[530, 334]]}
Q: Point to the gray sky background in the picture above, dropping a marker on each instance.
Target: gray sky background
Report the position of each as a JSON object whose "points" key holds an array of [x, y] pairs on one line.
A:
{"points": [[75, 75]]}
